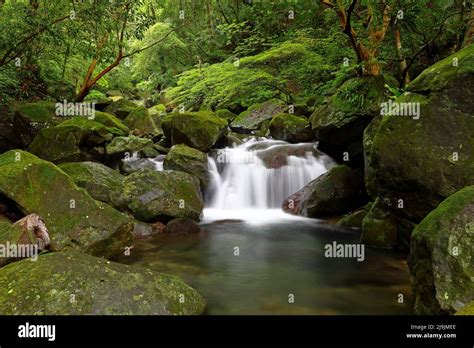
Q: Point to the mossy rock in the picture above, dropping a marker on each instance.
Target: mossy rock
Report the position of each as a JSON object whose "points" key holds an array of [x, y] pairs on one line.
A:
{"points": [[77, 139], [186, 159], [141, 123], [424, 160], [226, 114], [442, 256], [354, 220], [342, 118], [466, 310], [199, 130], [379, 227], [255, 115], [291, 128], [72, 216], [111, 121], [72, 283], [160, 196], [120, 147], [121, 108], [30, 118], [338, 191], [101, 182]]}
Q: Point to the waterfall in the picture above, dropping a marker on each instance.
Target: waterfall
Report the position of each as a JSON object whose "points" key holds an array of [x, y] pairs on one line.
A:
{"points": [[254, 178]]}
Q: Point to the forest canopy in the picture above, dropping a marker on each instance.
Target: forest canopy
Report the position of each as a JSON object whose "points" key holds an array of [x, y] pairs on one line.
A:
{"points": [[178, 51]]}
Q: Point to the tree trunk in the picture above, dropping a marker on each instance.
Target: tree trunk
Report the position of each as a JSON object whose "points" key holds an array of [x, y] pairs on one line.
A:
{"points": [[401, 57]]}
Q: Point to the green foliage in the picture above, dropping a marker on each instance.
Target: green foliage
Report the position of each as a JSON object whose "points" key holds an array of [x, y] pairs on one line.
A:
{"points": [[288, 71]]}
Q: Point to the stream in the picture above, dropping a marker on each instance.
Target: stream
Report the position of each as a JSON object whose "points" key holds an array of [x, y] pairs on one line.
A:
{"points": [[252, 258]]}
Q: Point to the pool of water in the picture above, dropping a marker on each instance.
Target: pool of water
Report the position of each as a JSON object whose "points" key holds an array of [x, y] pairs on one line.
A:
{"points": [[279, 268]]}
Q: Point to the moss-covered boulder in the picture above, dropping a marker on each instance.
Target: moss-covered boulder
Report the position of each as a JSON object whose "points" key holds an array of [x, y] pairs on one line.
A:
{"points": [[121, 147], [72, 216], [379, 227], [226, 114], [101, 182], [111, 121], [354, 219], [291, 128], [186, 159], [30, 118], [77, 139], [73, 283], [338, 191], [160, 196], [442, 256], [141, 123], [255, 115], [121, 108], [423, 159], [200, 130]]}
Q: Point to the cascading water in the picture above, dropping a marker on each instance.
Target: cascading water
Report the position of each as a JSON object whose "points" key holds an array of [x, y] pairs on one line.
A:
{"points": [[250, 181]]}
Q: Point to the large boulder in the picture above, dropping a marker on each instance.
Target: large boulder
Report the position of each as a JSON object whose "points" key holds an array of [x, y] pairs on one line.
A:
{"points": [[341, 119], [418, 160], [73, 218], [252, 119], [200, 130], [73, 283], [160, 196], [291, 128], [188, 160], [110, 120], [101, 182], [121, 108], [442, 256], [77, 139], [338, 191], [141, 123]]}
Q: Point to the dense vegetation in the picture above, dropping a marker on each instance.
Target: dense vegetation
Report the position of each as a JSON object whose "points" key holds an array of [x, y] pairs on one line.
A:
{"points": [[179, 79]]}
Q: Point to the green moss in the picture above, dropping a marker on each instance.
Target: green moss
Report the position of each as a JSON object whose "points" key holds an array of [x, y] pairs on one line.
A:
{"points": [[152, 195], [42, 111], [252, 118], [441, 257], [110, 121], [379, 227], [290, 67], [141, 123], [200, 130], [188, 160], [77, 284], [72, 217], [290, 128], [226, 115], [121, 108], [121, 145]]}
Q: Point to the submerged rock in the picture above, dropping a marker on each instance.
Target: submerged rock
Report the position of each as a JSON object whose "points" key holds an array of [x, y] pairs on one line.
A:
{"points": [[338, 191], [77, 284], [186, 159], [152, 196], [73, 218], [199, 130], [182, 226], [442, 256]]}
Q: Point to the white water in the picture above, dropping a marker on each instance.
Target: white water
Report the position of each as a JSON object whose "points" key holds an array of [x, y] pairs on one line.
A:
{"points": [[243, 188]]}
